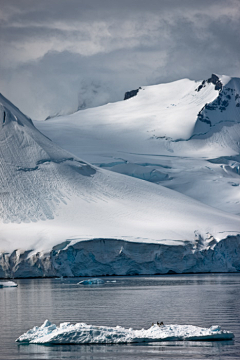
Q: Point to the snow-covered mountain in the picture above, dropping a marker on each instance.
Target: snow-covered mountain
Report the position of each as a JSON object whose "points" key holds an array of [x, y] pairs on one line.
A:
{"points": [[184, 135], [62, 216]]}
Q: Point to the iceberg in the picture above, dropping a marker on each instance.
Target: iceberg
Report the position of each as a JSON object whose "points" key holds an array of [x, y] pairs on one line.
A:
{"points": [[82, 333], [94, 281], [7, 284]]}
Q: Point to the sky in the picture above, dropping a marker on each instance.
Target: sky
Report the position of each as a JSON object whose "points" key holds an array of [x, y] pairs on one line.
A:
{"points": [[57, 56]]}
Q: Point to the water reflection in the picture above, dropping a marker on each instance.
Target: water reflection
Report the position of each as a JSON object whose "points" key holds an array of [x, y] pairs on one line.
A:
{"points": [[179, 350]]}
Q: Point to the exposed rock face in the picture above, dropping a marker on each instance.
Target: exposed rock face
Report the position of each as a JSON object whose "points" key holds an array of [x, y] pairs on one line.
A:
{"points": [[214, 79], [131, 93], [222, 110], [118, 257], [203, 84]]}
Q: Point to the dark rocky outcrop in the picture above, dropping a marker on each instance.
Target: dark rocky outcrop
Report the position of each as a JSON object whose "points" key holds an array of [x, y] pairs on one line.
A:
{"points": [[214, 79], [203, 84], [131, 93]]}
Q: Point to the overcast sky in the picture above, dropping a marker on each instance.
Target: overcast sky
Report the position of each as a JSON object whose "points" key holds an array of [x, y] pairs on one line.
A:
{"points": [[56, 55]]}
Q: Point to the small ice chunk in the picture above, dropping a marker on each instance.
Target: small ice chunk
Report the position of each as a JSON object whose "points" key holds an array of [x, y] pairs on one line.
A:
{"points": [[82, 333], [215, 328], [94, 281], [7, 284]]}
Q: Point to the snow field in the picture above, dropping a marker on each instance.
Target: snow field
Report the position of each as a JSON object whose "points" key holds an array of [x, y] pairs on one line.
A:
{"points": [[167, 134]]}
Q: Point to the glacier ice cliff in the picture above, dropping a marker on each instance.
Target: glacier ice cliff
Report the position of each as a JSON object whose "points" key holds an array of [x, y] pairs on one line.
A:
{"points": [[118, 257]]}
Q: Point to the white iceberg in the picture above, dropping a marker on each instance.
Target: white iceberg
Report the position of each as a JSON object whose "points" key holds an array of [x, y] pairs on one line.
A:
{"points": [[7, 284], [94, 281], [82, 333]]}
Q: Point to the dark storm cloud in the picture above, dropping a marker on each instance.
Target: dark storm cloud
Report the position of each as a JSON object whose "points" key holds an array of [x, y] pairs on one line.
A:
{"points": [[58, 55]]}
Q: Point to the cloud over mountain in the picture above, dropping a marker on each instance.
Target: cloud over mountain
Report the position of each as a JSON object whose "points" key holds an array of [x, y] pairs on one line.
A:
{"points": [[57, 56]]}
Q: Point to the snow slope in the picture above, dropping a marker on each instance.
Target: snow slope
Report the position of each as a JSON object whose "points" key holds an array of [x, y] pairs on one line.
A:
{"points": [[81, 333], [52, 202], [184, 135]]}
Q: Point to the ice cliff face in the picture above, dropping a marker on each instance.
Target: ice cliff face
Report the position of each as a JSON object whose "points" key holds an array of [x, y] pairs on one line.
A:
{"points": [[62, 216], [118, 257]]}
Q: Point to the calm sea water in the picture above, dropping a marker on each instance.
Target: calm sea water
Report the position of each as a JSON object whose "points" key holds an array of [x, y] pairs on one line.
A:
{"points": [[135, 302]]}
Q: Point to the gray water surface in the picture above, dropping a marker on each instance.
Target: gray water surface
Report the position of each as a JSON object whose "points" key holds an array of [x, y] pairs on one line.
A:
{"points": [[136, 302]]}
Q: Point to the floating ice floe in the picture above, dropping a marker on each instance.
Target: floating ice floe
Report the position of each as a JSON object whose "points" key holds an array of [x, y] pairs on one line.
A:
{"points": [[94, 281], [7, 284], [81, 333]]}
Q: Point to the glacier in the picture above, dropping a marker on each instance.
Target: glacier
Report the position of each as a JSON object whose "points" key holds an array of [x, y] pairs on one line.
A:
{"points": [[184, 135], [82, 333], [62, 216]]}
